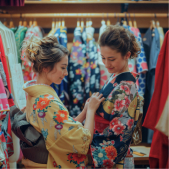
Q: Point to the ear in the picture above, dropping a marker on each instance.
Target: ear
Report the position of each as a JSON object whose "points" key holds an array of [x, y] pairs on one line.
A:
{"points": [[45, 69], [127, 56]]}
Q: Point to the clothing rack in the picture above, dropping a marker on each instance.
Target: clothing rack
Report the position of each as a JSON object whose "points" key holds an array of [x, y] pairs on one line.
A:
{"points": [[85, 15]]}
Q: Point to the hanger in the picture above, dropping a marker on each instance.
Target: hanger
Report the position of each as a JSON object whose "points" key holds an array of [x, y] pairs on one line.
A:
{"points": [[152, 23], [125, 21], [11, 24], [82, 23], [130, 22], [157, 23], [30, 23], [78, 23], [108, 21], [56, 24], [90, 22], [134, 22], [20, 22], [63, 23], [35, 23], [25, 23], [59, 23], [53, 24]]}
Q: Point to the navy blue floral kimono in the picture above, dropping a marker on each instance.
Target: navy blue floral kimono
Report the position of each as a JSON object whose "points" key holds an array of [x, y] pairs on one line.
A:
{"points": [[77, 74], [115, 121]]}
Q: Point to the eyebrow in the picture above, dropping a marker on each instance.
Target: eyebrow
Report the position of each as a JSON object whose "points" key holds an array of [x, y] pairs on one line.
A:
{"points": [[108, 57], [64, 64]]}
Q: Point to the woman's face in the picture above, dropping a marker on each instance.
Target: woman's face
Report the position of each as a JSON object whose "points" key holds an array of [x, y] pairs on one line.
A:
{"points": [[59, 71], [113, 60]]}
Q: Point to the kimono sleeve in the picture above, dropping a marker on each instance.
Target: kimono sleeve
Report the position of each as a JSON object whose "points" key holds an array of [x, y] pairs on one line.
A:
{"points": [[59, 130]]}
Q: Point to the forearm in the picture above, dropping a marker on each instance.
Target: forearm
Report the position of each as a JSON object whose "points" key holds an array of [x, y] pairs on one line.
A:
{"points": [[81, 117], [89, 123]]}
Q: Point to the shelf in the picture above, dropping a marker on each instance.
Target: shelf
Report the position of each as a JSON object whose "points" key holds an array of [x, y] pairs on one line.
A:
{"points": [[94, 2], [83, 15]]}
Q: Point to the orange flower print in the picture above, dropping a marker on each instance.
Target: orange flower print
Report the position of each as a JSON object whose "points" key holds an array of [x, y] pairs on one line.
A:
{"points": [[42, 103], [78, 72], [61, 116], [78, 157], [111, 152]]}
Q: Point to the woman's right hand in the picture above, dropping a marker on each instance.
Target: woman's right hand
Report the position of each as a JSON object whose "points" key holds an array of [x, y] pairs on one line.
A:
{"points": [[95, 101]]}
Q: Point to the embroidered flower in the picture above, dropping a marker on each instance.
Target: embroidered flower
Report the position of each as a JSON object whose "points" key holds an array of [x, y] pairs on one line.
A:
{"points": [[85, 138], [34, 107], [127, 102], [54, 164], [41, 114], [43, 103], [115, 121], [99, 155], [125, 88], [58, 126], [111, 152], [108, 163], [78, 157], [44, 133], [70, 157], [118, 129], [118, 105], [61, 116], [115, 84], [112, 142], [130, 123]]}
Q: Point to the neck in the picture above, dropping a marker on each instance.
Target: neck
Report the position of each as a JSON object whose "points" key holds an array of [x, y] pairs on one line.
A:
{"points": [[41, 79], [125, 69]]}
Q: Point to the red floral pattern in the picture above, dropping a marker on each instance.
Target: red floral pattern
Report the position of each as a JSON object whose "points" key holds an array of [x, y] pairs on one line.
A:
{"points": [[111, 152], [130, 123], [42, 103], [108, 163], [118, 129], [125, 88], [119, 104]]}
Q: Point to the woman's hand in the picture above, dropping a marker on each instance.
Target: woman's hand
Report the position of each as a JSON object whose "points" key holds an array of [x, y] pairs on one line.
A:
{"points": [[23, 109], [95, 101]]}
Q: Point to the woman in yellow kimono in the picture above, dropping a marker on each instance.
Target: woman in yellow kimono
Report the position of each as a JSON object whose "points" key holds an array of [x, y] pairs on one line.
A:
{"points": [[116, 117], [66, 139]]}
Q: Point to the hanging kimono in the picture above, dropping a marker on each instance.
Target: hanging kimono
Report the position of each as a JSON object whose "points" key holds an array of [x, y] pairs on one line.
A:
{"points": [[66, 140], [76, 74], [115, 121], [19, 37], [141, 63], [158, 157], [94, 72], [151, 44], [27, 66]]}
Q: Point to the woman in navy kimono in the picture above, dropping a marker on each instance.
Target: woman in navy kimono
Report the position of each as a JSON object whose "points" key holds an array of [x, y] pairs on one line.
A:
{"points": [[116, 117]]}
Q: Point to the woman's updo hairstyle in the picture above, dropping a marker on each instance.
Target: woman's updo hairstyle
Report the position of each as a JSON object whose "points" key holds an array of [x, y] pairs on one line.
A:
{"points": [[120, 39], [44, 52]]}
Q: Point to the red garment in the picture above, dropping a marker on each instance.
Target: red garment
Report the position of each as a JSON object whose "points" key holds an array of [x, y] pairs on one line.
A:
{"points": [[11, 2], [4, 62], [159, 147]]}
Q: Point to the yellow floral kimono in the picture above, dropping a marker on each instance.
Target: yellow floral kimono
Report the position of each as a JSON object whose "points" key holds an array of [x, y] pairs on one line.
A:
{"points": [[66, 140]]}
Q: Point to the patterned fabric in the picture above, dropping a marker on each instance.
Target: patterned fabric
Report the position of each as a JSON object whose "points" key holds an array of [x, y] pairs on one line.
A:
{"points": [[77, 71], [66, 140], [62, 89], [19, 37], [5, 74], [139, 64], [4, 106], [26, 64], [93, 71], [14, 29], [112, 139]]}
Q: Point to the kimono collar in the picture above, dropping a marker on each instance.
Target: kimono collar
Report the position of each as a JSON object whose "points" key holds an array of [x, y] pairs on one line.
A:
{"points": [[35, 90]]}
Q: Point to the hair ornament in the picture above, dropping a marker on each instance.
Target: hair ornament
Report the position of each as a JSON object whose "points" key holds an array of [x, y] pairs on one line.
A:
{"points": [[32, 51]]}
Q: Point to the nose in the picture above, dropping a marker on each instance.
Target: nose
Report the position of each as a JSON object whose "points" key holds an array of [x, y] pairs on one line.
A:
{"points": [[66, 73], [107, 63]]}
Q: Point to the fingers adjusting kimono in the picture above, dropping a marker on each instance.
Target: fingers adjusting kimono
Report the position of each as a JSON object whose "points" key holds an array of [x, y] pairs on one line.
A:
{"points": [[66, 140], [114, 122]]}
